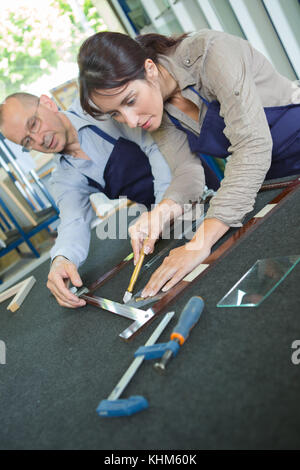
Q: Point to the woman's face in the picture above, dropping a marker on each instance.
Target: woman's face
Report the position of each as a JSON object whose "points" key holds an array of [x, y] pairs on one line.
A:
{"points": [[139, 103]]}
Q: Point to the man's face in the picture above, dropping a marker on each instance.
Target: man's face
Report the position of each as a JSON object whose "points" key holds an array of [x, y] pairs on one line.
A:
{"points": [[51, 136]]}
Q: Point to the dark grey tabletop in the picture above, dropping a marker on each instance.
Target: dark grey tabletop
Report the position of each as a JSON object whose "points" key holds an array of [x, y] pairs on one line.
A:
{"points": [[232, 386]]}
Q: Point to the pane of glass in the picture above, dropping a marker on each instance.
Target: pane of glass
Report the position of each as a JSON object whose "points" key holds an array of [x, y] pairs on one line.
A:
{"points": [[258, 283]]}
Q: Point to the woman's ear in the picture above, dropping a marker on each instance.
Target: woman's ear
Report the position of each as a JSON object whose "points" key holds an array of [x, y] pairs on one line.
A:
{"points": [[151, 70]]}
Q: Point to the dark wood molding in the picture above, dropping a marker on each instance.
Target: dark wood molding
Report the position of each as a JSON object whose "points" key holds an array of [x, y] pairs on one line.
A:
{"points": [[217, 255], [278, 185]]}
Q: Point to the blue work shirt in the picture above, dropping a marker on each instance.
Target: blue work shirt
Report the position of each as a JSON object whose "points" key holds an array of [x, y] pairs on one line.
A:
{"points": [[70, 186]]}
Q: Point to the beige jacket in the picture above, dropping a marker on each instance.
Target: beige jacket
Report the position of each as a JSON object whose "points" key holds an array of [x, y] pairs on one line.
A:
{"points": [[228, 69]]}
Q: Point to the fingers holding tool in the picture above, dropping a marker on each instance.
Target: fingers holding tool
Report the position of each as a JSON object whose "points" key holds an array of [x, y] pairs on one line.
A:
{"points": [[146, 227], [133, 279], [151, 225], [63, 272]]}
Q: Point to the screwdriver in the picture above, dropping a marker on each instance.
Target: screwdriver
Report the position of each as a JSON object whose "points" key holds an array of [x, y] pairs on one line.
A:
{"points": [[187, 320]]}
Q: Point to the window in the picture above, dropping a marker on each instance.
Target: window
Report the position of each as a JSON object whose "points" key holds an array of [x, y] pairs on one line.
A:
{"points": [[39, 41]]}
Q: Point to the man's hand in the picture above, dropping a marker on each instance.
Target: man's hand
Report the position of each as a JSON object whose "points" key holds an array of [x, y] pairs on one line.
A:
{"points": [[61, 273], [151, 224]]}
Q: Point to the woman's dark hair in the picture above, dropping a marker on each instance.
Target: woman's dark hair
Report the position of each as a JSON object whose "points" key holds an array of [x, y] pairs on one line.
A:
{"points": [[109, 60]]}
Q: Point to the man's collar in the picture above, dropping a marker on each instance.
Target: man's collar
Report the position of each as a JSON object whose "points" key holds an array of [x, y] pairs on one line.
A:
{"points": [[76, 121]]}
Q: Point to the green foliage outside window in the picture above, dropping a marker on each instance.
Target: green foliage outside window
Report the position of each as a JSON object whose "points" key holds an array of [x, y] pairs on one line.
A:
{"points": [[34, 40]]}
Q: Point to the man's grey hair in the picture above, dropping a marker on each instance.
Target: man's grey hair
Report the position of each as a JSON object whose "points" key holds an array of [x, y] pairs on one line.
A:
{"points": [[27, 99]]}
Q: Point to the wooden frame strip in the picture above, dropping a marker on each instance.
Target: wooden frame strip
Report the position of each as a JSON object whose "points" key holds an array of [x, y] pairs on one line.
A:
{"points": [[11, 291], [109, 274], [226, 247], [278, 185], [22, 293], [10, 189], [19, 291], [223, 250]]}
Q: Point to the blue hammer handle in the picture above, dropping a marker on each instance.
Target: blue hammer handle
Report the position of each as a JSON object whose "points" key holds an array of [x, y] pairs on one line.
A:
{"points": [[188, 318]]}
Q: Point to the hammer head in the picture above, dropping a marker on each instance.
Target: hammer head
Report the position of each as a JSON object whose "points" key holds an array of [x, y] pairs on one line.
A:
{"points": [[127, 297], [122, 407]]}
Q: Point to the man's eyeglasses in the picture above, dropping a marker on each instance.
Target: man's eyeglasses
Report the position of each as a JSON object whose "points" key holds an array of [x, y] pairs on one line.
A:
{"points": [[33, 126]]}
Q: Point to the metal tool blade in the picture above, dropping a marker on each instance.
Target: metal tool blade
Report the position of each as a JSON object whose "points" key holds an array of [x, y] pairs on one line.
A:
{"points": [[140, 317], [117, 308], [138, 301], [134, 327], [127, 297]]}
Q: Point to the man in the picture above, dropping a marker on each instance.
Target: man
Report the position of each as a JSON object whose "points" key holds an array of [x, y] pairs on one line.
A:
{"points": [[83, 157]]}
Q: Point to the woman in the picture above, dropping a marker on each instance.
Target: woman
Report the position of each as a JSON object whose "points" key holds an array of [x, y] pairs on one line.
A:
{"points": [[211, 93]]}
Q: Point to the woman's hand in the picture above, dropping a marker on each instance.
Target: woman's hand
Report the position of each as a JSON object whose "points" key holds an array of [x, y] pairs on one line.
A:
{"points": [[147, 225], [150, 225], [175, 267], [184, 259]]}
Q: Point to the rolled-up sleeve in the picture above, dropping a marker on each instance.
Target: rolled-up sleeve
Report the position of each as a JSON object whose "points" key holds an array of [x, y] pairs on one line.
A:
{"points": [[71, 193], [226, 72]]}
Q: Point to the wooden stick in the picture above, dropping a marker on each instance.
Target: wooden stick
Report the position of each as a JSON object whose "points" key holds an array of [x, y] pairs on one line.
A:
{"points": [[109, 274], [24, 207], [278, 185], [11, 291], [22, 293]]}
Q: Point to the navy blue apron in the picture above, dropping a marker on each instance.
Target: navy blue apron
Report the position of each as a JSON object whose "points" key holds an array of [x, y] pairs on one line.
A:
{"points": [[127, 172], [284, 123]]}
